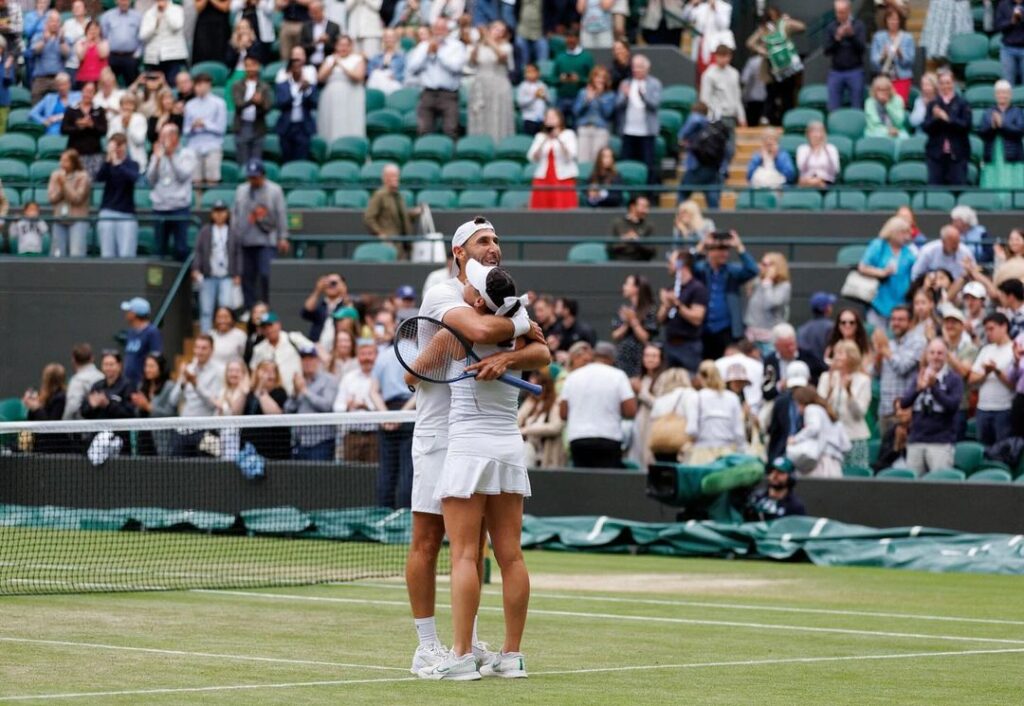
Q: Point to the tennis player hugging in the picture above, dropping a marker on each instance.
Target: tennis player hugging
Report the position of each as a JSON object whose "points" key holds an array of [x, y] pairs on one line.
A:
{"points": [[469, 465]]}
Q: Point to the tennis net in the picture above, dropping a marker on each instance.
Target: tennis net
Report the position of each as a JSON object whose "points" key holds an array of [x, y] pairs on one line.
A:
{"points": [[217, 502]]}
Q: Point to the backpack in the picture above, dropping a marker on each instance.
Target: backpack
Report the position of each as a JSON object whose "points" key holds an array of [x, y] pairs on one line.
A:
{"points": [[708, 147]]}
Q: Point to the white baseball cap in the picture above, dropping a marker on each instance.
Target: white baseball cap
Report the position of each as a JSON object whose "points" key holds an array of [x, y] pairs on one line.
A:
{"points": [[951, 312], [797, 374], [975, 289], [464, 232]]}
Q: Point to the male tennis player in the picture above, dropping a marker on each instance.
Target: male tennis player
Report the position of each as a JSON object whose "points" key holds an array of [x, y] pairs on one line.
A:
{"points": [[474, 240]]}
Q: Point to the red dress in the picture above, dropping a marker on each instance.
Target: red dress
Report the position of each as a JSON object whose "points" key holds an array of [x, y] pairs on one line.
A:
{"points": [[554, 198], [91, 66]]}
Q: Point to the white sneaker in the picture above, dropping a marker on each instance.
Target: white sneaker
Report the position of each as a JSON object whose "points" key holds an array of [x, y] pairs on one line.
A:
{"points": [[507, 665], [453, 668], [483, 654], [427, 656]]}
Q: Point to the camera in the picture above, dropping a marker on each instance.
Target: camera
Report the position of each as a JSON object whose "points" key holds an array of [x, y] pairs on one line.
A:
{"points": [[721, 235]]}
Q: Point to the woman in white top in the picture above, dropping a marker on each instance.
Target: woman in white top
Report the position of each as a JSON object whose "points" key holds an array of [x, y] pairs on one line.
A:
{"points": [[929, 89], [490, 92], [670, 393], [847, 389], [342, 359], [134, 126], [715, 418], [821, 437], [553, 154], [365, 26], [542, 424], [231, 403], [162, 33], [690, 226], [73, 30], [228, 340], [711, 21], [342, 108], [817, 162]]}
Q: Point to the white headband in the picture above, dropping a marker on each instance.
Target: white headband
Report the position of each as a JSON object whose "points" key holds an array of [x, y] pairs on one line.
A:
{"points": [[462, 235], [476, 275]]}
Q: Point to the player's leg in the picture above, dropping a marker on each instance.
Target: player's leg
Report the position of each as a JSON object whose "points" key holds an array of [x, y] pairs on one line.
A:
{"points": [[421, 564], [505, 522], [463, 518]]}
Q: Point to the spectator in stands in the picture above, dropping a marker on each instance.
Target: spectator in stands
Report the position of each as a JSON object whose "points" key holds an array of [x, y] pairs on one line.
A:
{"points": [[296, 99], [133, 125], [665, 439], [85, 124], [197, 389], [960, 359], [206, 121], [92, 52], [594, 113], [554, 154], [714, 421], [121, 25], [770, 167], [945, 20], [253, 99], [1011, 297], [110, 396], [118, 228], [49, 112], [170, 174], [296, 13], [152, 399], [531, 41], [948, 124], [847, 390], [635, 325], [533, 98], [595, 398], [365, 25], [778, 362], [1009, 20], [777, 499], [892, 55], [707, 147], [972, 233], [690, 226], [780, 69], [490, 108], [11, 24], [570, 329], [243, 43], [821, 432], [947, 253], [817, 160], [386, 70], [143, 338], [621, 66], [884, 114], [162, 33], [889, 258], [637, 104], [1009, 257], [259, 15], [281, 348], [595, 23], [8, 78], [68, 191], [30, 230], [166, 110], [723, 280], [228, 339], [357, 393], [604, 189], [260, 216], [387, 214], [845, 44], [108, 95], [542, 424], [896, 362], [648, 385], [47, 404], [313, 392], [768, 298], [1002, 128], [935, 397], [850, 327], [342, 357], [267, 396], [630, 230], [217, 264], [928, 90], [49, 51], [342, 108], [394, 481], [711, 21], [72, 31], [572, 67], [212, 30], [437, 63], [85, 375], [681, 312], [720, 90], [328, 296]]}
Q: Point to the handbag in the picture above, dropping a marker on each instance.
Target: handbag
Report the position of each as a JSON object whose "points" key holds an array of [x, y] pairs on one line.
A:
{"points": [[860, 287], [804, 454], [668, 432]]}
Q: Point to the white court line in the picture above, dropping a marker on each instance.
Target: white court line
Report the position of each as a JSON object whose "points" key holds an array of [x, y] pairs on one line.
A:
{"points": [[640, 618], [565, 672], [724, 606], [183, 653]]}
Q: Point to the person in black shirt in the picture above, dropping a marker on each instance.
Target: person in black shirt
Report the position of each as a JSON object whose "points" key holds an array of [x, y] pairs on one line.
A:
{"points": [[119, 233], [571, 329], [777, 498], [947, 121], [267, 396], [85, 125], [682, 313], [845, 43], [47, 405]]}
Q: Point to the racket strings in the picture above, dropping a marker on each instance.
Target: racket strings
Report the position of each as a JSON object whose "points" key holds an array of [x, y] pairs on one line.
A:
{"points": [[431, 351]]}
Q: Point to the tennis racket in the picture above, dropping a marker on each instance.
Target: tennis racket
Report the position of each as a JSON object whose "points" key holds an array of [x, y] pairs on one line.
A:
{"points": [[437, 353]]}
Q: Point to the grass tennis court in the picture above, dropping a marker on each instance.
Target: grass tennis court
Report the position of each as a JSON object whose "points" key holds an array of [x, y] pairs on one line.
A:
{"points": [[603, 629]]}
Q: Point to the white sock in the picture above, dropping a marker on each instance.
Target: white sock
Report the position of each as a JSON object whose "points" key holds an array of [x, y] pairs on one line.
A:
{"points": [[475, 638], [426, 628]]}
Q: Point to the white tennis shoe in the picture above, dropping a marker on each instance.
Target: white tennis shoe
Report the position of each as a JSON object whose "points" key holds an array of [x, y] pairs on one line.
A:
{"points": [[453, 668], [483, 654], [427, 656], [507, 665]]}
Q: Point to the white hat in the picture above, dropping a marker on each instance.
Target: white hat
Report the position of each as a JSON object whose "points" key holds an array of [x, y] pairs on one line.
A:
{"points": [[476, 275], [975, 289], [736, 373], [797, 374], [951, 312], [462, 235]]}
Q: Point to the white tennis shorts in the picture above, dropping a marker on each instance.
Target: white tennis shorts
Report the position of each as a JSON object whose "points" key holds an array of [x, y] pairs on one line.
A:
{"points": [[492, 466], [429, 452]]}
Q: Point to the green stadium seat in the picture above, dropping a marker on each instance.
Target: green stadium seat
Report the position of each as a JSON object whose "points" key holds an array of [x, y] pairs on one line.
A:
{"points": [[515, 199], [272, 168], [147, 240], [986, 71], [844, 146], [814, 96], [217, 70], [587, 253], [404, 100], [351, 198], [383, 122], [670, 121], [17, 146], [503, 173], [633, 173], [908, 174], [585, 169], [847, 121], [369, 174], [271, 150], [437, 148], [391, 148], [678, 97], [790, 143], [945, 475], [18, 121], [374, 252], [756, 199], [864, 174], [526, 173], [965, 48], [351, 148], [980, 97], [877, 149], [995, 44], [968, 456], [933, 201], [887, 200], [478, 198], [845, 200], [990, 475], [992, 464], [479, 148], [547, 70], [972, 173], [797, 119], [21, 97], [420, 173], [410, 125], [799, 200], [850, 255], [339, 172], [13, 197], [976, 117], [615, 142], [306, 198], [144, 200], [299, 173], [977, 151], [15, 170], [375, 100], [1018, 95], [896, 474], [38, 194], [228, 146], [438, 198], [911, 148], [318, 149], [12, 410], [212, 195], [463, 173], [857, 472], [269, 72], [514, 148], [230, 173], [983, 200]]}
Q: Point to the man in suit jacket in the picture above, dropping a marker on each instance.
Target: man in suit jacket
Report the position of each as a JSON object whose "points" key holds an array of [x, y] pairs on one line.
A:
{"points": [[784, 417], [948, 124], [296, 99], [253, 98], [318, 34], [778, 365], [637, 110], [387, 215]]}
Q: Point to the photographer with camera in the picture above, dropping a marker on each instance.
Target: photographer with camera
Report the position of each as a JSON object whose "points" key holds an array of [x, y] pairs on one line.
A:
{"points": [[723, 280], [554, 152]]}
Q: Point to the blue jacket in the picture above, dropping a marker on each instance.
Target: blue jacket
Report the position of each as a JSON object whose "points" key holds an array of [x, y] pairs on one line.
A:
{"points": [[1012, 130], [599, 112], [695, 122], [283, 103], [652, 101], [904, 63], [7, 79], [783, 162], [1013, 33], [934, 409], [397, 65], [737, 274], [50, 106]]}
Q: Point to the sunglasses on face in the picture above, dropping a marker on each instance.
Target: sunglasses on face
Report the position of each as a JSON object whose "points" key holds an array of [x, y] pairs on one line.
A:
{"points": [[848, 322]]}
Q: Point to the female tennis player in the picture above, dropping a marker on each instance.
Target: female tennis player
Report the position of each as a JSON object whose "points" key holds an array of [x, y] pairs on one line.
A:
{"points": [[484, 477]]}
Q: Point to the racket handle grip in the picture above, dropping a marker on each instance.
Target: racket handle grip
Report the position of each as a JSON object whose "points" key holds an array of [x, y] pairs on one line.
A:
{"points": [[515, 381]]}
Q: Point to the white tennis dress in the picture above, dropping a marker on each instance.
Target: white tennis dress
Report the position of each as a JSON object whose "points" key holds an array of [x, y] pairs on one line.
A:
{"points": [[486, 451]]}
